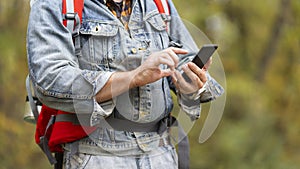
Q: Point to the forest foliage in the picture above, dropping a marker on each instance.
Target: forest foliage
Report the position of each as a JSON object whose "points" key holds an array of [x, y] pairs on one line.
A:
{"points": [[260, 51]]}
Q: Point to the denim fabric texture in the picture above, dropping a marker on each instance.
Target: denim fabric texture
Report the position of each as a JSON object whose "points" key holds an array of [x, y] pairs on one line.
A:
{"points": [[69, 82], [161, 158]]}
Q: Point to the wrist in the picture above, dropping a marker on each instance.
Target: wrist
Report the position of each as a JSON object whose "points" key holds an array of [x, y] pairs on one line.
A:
{"points": [[135, 79]]}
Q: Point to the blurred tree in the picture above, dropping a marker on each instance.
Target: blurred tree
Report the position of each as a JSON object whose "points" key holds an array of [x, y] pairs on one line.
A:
{"points": [[13, 16], [274, 39]]}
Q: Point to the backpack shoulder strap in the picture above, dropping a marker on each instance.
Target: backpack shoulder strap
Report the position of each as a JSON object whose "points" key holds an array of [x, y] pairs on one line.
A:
{"points": [[72, 14], [72, 18], [163, 6], [164, 9]]}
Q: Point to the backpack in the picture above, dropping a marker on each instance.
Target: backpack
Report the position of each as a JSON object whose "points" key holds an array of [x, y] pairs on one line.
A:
{"points": [[46, 118]]}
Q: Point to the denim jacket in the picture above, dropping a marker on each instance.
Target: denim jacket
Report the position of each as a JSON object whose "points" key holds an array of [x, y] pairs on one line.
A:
{"points": [[69, 82]]}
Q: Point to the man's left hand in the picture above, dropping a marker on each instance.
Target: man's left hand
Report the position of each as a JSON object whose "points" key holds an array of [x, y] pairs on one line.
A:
{"points": [[195, 74]]}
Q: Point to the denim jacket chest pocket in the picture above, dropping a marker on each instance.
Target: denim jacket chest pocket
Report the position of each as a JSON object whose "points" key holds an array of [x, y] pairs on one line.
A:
{"points": [[100, 44], [150, 29]]}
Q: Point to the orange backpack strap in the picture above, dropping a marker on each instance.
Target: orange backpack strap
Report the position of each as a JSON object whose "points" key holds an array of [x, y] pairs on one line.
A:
{"points": [[163, 6], [164, 10]]}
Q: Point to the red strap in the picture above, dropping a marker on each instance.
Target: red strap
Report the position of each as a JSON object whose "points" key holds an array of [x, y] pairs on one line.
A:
{"points": [[164, 9], [78, 8], [64, 11], [161, 8], [65, 132]]}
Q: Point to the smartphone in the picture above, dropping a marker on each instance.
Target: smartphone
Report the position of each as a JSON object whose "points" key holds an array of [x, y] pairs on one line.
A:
{"points": [[200, 58], [204, 54]]}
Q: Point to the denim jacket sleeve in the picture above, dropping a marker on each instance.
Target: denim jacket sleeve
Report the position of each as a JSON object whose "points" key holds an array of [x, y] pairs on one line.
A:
{"points": [[59, 81], [190, 104]]}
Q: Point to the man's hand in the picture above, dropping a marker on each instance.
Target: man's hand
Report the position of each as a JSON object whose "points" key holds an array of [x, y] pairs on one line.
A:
{"points": [[150, 71], [196, 75]]}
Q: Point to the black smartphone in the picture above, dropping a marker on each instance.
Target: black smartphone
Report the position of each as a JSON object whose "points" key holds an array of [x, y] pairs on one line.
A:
{"points": [[204, 54], [200, 58]]}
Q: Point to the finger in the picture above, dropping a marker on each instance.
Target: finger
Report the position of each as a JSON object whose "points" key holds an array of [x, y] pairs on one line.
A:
{"points": [[179, 76], [166, 73], [207, 64], [172, 55], [183, 86], [181, 80], [167, 60], [195, 80], [179, 50], [174, 79], [199, 72], [191, 73]]}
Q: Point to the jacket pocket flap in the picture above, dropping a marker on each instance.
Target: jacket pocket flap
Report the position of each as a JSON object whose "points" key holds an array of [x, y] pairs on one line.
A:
{"points": [[157, 22], [99, 28]]}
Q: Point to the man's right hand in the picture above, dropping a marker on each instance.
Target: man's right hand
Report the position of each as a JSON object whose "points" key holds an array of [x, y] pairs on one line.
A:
{"points": [[146, 73], [150, 70]]}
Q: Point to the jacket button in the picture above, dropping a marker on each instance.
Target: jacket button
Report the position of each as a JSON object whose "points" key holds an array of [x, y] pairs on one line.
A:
{"points": [[133, 50]]}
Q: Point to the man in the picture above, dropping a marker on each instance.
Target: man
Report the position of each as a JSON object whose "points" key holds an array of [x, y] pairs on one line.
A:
{"points": [[121, 71]]}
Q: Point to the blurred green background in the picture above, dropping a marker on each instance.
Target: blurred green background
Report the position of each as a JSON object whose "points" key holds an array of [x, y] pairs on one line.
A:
{"points": [[260, 51]]}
